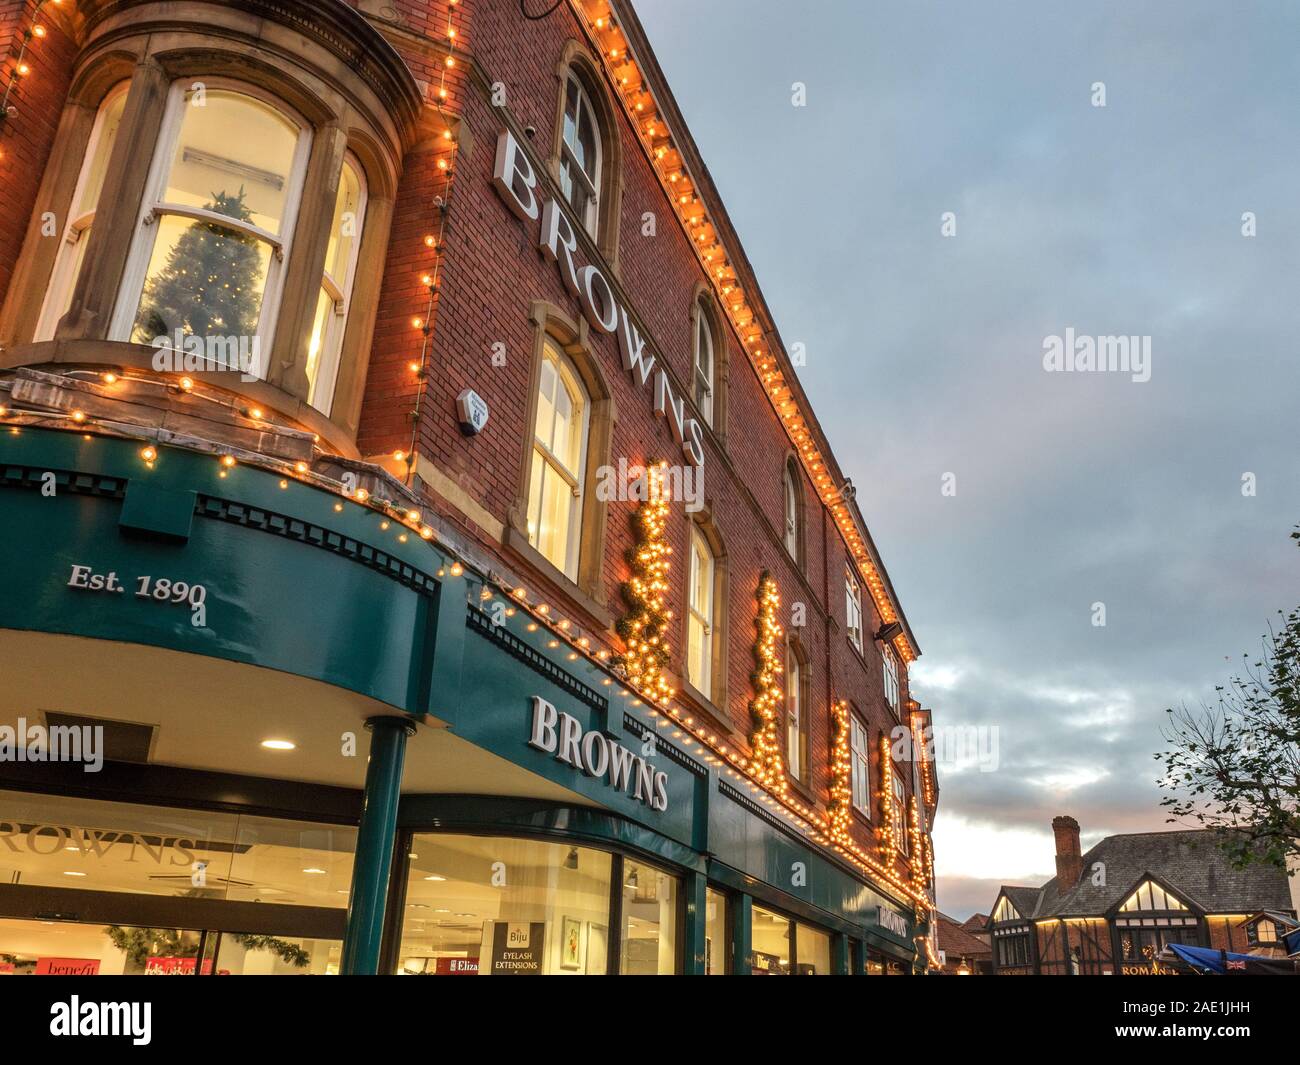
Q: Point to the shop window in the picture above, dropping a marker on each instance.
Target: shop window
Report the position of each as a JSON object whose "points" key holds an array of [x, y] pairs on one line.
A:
{"points": [[860, 760], [334, 301], [796, 711], [490, 906], [555, 495], [705, 371], [717, 940], [1013, 951], [208, 259], [648, 940], [892, 690], [581, 154], [700, 615], [81, 216], [793, 512], [813, 951], [853, 609], [771, 942]]}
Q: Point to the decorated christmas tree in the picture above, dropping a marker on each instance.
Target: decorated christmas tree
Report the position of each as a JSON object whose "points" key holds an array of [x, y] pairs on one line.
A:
{"points": [[210, 283]]}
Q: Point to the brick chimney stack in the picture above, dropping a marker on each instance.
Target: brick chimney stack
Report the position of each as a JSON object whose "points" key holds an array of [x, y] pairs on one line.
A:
{"points": [[1069, 858]]}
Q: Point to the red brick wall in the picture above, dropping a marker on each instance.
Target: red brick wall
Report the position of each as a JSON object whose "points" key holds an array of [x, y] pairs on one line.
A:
{"points": [[491, 274], [27, 136]]}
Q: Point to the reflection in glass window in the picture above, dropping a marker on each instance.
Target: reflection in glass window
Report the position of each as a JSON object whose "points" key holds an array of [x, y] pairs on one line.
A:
{"points": [[559, 459], [699, 622], [770, 939], [716, 943], [649, 942], [85, 202], [853, 609], [860, 755], [488, 906], [332, 303], [814, 951], [580, 154], [209, 256]]}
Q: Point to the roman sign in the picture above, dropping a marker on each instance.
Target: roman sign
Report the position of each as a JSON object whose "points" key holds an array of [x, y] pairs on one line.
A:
{"points": [[596, 755], [515, 180]]}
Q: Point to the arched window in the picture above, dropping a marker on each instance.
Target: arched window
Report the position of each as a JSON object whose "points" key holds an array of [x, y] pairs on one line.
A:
{"points": [[793, 512], [706, 363], [796, 712], [333, 303], [700, 614], [581, 154], [219, 212], [81, 216], [559, 461]]}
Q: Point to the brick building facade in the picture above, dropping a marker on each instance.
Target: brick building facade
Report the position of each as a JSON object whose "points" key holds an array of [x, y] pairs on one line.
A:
{"points": [[431, 213]]}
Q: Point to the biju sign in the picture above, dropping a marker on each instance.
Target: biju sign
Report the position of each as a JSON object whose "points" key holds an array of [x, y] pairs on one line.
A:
{"points": [[596, 755], [515, 180]]}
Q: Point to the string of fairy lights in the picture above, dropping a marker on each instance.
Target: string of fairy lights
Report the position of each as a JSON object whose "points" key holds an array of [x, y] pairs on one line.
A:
{"points": [[838, 812], [670, 165], [20, 69], [436, 243], [762, 772], [644, 628]]}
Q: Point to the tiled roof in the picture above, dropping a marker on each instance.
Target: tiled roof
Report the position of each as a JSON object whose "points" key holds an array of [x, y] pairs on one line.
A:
{"points": [[957, 943]]}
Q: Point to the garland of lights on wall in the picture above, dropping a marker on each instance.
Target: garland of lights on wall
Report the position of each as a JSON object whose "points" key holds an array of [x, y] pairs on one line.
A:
{"points": [[20, 68], [885, 831], [767, 763], [644, 628], [763, 774], [838, 812], [626, 75]]}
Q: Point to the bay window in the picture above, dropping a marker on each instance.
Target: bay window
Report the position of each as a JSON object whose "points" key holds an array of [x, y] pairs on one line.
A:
{"points": [[209, 254], [559, 459]]}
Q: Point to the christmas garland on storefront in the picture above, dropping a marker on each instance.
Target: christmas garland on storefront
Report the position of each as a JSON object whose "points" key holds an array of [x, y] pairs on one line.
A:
{"points": [[767, 763], [838, 815], [644, 628]]}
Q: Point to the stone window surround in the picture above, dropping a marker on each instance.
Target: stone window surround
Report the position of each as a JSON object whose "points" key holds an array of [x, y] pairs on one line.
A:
{"points": [[347, 117]]}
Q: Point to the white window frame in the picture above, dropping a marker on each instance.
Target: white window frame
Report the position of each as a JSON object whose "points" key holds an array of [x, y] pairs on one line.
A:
{"points": [[860, 761], [340, 292], [703, 383], [794, 712], [890, 665], [701, 614], [64, 274], [541, 451], [569, 159], [793, 514], [899, 810], [154, 209], [853, 609]]}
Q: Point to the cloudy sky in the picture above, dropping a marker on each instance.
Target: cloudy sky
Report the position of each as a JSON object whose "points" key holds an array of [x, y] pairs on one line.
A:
{"points": [[925, 352]]}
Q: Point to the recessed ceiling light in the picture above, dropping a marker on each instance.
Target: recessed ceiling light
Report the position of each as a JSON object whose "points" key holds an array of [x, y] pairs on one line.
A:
{"points": [[71, 872], [435, 876], [313, 869], [279, 745], [464, 915], [441, 910]]}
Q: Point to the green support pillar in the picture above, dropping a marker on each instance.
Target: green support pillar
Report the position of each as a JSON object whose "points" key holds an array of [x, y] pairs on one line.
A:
{"points": [[373, 864], [742, 923], [840, 955], [697, 906]]}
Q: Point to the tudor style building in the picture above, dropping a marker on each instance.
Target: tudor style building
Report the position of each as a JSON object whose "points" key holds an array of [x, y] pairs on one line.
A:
{"points": [[1114, 908], [333, 337]]}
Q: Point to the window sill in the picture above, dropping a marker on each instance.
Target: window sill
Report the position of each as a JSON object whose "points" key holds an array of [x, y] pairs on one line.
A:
{"points": [[518, 543], [704, 705]]}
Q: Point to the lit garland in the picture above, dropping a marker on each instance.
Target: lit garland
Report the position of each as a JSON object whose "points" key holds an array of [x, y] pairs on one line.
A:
{"points": [[20, 69], [838, 815], [644, 628], [767, 764], [917, 839], [885, 831], [435, 243]]}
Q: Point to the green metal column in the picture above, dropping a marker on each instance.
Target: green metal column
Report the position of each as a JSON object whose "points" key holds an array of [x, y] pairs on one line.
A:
{"points": [[840, 955], [742, 923], [375, 839], [697, 909]]}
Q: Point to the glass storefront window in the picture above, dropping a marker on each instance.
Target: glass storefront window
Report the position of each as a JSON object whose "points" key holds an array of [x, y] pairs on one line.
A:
{"points": [[649, 941], [490, 906], [814, 951], [770, 937], [716, 945]]}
